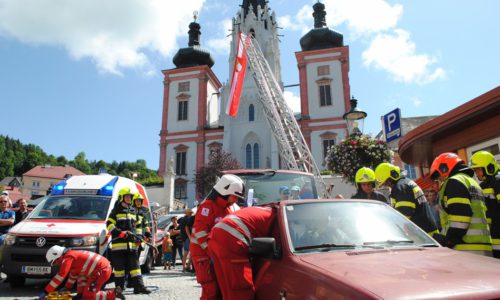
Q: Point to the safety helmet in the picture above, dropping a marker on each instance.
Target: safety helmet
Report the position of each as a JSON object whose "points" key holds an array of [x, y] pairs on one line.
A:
{"points": [[443, 164], [385, 171], [54, 253], [364, 175], [230, 185], [485, 160], [124, 191], [138, 196]]}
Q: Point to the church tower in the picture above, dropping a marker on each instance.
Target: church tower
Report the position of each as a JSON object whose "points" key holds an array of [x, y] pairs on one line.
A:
{"points": [[247, 136], [190, 119], [324, 86]]}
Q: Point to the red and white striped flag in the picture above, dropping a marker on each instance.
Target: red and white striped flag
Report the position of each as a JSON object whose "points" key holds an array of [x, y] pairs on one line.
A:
{"points": [[240, 65]]}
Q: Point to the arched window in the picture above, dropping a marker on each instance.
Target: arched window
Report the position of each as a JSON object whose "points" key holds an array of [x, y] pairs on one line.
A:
{"points": [[251, 113], [248, 156], [256, 156], [252, 32]]}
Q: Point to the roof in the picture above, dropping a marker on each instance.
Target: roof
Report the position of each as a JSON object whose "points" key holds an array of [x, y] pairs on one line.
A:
{"points": [[9, 180], [56, 172]]}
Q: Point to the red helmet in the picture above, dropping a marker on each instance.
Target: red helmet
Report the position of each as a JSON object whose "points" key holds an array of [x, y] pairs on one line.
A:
{"points": [[443, 164]]}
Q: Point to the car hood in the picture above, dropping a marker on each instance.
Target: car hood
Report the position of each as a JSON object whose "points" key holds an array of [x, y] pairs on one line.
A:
{"points": [[413, 273], [57, 227]]}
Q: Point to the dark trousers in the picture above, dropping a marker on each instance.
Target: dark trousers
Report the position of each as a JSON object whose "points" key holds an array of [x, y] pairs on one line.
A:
{"points": [[126, 263], [176, 249]]}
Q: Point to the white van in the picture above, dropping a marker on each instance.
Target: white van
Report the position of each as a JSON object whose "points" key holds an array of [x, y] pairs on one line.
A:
{"points": [[73, 215]]}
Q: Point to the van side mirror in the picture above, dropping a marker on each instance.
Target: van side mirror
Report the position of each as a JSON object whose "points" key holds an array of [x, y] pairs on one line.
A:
{"points": [[264, 247]]}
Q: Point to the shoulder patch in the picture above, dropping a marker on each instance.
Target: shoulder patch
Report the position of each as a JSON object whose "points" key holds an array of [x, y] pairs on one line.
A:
{"points": [[205, 211]]}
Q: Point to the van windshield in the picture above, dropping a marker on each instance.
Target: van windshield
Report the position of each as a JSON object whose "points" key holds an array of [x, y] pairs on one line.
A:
{"points": [[72, 207]]}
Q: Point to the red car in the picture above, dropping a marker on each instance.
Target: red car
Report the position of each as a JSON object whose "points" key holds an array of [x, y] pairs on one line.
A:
{"points": [[361, 249]]}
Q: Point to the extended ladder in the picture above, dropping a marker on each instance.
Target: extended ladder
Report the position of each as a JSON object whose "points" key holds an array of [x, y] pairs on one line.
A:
{"points": [[294, 152]]}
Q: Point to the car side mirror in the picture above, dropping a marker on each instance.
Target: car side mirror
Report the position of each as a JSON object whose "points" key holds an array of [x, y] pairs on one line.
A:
{"points": [[264, 247]]}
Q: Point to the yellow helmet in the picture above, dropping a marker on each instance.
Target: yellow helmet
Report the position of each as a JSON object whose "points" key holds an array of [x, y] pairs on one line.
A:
{"points": [[364, 175], [138, 196], [486, 160], [124, 191], [385, 171]]}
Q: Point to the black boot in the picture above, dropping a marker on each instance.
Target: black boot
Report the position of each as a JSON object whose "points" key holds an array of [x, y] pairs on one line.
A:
{"points": [[139, 287]]}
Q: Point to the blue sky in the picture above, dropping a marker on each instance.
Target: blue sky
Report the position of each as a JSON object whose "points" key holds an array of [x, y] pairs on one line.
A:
{"points": [[86, 75]]}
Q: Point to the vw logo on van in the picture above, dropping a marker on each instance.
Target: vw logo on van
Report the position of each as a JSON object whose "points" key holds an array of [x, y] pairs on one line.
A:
{"points": [[40, 242]]}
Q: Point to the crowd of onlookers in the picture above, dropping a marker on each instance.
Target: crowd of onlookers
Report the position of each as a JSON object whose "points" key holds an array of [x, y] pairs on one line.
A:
{"points": [[11, 213], [177, 242]]}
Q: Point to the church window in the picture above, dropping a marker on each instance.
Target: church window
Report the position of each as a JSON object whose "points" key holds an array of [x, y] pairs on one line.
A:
{"points": [[248, 152], [252, 32], [323, 70], [183, 86], [256, 156], [325, 95], [265, 24], [182, 113], [251, 113], [180, 162], [180, 189]]}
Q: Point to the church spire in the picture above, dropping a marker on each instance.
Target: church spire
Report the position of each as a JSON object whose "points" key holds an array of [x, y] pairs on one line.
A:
{"points": [[320, 37], [252, 4]]}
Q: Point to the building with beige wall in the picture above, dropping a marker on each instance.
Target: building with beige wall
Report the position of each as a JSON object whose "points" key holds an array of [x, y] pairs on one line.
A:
{"points": [[37, 181]]}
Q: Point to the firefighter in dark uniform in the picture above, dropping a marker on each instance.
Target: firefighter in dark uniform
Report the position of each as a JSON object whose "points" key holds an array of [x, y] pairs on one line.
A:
{"points": [[463, 218], [406, 197], [122, 223], [365, 185], [143, 217], [486, 168]]}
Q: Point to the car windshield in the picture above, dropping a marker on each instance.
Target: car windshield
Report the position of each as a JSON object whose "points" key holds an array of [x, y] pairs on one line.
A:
{"points": [[268, 185], [72, 207], [341, 225]]}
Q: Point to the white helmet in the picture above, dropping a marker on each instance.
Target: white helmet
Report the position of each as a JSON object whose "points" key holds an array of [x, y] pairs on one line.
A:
{"points": [[230, 185], [54, 253]]}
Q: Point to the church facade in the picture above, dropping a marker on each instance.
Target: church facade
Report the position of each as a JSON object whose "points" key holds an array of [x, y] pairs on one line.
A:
{"points": [[194, 100]]}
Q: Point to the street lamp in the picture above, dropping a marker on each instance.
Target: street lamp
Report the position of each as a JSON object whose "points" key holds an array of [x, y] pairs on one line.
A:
{"points": [[355, 118]]}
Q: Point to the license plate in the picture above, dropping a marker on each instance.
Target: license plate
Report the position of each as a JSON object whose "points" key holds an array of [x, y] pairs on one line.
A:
{"points": [[35, 270]]}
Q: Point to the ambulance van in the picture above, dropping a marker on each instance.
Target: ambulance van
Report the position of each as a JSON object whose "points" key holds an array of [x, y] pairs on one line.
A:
{"points": [[74, 216]]}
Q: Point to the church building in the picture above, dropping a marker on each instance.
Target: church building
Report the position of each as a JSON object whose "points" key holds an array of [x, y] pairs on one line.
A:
{"points": [[194, 99]]}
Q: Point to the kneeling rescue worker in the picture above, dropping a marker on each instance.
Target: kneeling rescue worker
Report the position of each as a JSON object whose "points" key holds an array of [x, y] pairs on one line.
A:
{"points": [[216, 206], [229, 247], [90, 270]]}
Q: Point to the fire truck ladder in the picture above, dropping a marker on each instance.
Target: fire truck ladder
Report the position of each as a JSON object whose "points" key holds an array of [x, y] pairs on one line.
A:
{"points": [[294, 152]]}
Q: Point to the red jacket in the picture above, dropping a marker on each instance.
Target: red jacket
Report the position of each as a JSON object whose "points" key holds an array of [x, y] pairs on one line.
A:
{"points": [[208, 214], [77, 264], [247, 223]]}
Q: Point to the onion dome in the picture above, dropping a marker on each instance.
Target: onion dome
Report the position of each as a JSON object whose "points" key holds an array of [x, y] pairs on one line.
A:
{"points": [[193, 55], [321, 37]]}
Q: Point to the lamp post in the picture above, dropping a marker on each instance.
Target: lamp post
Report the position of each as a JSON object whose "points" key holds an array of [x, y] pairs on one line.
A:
{"points": [[355, 118]]}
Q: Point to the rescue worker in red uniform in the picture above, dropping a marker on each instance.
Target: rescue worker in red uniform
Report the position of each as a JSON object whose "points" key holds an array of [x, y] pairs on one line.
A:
{"points": [[486, 168], [90, 269], [216, 206], [229, 247]]}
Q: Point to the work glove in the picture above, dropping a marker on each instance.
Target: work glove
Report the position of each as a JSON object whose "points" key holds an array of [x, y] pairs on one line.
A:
{"points": [[42, 296], [123, 235]]}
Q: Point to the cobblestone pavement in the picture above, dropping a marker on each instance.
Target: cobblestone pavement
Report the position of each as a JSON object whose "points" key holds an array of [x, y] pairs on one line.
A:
{"points": [[167, 285]]}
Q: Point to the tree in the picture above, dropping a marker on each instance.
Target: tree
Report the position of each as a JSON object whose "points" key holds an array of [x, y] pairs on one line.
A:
{"points": [[81, 163], [207, 176], [355, 152]]}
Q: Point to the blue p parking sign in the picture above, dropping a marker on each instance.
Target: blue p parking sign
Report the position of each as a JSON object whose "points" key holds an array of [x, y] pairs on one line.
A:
{"points": [[392, 125]]}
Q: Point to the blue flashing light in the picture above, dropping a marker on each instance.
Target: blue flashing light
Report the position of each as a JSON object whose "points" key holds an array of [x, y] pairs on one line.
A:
{"points": [[58, 189], [107, 189]]}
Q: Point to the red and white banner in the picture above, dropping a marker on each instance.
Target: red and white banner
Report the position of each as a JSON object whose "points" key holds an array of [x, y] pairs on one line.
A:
{"points": [[240, 65]]}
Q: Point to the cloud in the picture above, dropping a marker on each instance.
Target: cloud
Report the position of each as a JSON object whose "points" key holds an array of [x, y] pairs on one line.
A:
{"points": [[221, 44], [115, 34], [363, 16], [396, 54], [292, 100], [417, 102], [390, 49]]}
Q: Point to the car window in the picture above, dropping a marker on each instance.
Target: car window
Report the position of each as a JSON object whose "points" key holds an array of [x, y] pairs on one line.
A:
{"points": [[350, 224], [72, 207]]}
